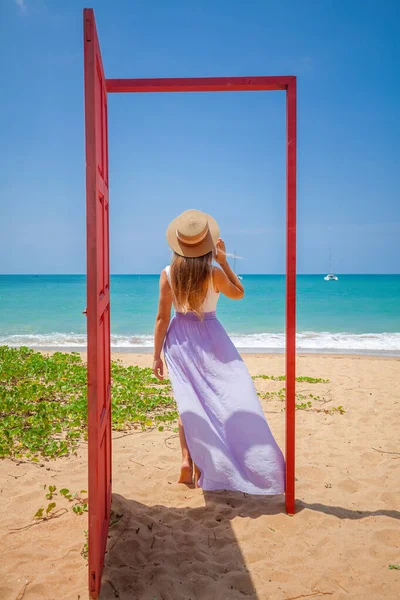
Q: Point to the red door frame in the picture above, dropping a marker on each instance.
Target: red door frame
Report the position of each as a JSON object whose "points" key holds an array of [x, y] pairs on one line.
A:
{"points": [[98, 303], [201, 84]]}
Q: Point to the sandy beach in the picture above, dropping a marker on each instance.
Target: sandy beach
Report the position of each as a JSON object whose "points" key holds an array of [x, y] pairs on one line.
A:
{"points": [[171, 542]]}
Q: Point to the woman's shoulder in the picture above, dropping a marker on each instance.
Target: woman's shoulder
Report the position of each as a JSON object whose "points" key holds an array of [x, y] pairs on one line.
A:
{"points": [[217, 273], [165, 276]]}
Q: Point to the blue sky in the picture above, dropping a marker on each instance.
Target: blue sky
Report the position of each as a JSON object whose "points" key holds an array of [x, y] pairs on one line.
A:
{"points": [[222, 153]]}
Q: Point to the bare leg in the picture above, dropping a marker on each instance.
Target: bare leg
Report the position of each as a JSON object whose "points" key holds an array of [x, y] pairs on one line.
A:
{"points": [[186, 475], [196, 475]]}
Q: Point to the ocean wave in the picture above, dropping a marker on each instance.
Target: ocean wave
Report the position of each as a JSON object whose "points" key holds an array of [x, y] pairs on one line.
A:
{"points": [[307, 341], [320, 341], [72, 340]]}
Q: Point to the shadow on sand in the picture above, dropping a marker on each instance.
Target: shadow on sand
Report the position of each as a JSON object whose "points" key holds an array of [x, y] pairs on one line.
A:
{"points": [[163, 553]]}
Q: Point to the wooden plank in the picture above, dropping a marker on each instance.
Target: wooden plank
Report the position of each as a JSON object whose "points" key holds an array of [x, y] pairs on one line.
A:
{"points": [[199, 84]]}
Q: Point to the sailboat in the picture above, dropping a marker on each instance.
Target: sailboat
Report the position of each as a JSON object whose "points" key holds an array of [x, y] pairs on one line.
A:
{"points": [[331, 276], [234, 266]]}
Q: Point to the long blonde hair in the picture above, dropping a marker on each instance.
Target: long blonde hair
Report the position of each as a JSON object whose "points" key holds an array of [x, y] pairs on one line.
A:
{"points": [[190, 279]]}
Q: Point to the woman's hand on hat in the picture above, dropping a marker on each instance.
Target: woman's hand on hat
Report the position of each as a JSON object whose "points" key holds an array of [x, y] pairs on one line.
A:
{"points": [[220, 252]]}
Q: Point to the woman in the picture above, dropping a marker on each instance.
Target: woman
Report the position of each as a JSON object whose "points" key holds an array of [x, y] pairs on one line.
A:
{"points": [[226, 442]]}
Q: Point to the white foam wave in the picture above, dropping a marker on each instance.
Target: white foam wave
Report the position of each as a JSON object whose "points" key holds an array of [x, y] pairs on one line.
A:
{"points": [[307, 341], [72, 340], [311, 340]]}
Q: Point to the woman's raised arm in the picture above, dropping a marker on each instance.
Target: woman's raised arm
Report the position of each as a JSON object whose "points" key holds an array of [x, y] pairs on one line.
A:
{"points": [[225, 280]]}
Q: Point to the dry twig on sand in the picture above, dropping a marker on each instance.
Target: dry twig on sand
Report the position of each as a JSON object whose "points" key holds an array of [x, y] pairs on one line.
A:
{"points": [[171, 437], [116, 592], [55, 515], [316, 593], [22, 592], [385, 451]]}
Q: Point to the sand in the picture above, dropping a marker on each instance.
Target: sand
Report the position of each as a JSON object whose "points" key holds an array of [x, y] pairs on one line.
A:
{"points": [[170, 542]]}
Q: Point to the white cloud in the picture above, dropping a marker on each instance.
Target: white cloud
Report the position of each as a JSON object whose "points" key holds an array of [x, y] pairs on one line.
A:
{"points": [[21, 5]]}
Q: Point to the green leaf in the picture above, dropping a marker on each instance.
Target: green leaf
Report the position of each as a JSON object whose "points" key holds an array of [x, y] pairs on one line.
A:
{"points": [[39, 514], [50, 507]]}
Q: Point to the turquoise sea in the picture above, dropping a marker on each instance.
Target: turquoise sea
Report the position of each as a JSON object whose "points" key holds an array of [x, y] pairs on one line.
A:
{"points": [[358, 313]]}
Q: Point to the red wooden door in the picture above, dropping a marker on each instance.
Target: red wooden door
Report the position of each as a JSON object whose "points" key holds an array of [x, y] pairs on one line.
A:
{"points": [[98, 303]]}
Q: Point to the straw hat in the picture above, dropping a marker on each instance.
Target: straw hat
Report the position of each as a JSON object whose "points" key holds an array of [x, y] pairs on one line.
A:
{"points": [[193, 233]]}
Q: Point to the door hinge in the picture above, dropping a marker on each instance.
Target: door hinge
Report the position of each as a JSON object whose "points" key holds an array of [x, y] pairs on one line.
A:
{"points": [[88, 30], [92, 581]]}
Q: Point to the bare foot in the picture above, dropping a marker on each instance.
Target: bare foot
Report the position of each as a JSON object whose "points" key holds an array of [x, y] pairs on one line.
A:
{"points": [[196, 475], [186, 475]]}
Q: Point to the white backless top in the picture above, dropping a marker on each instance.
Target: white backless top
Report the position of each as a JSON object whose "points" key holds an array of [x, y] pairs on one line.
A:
{"points": [[211, 299]]}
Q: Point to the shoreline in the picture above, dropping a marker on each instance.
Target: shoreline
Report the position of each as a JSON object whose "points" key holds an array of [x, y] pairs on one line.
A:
{"points": [[247, 351]]}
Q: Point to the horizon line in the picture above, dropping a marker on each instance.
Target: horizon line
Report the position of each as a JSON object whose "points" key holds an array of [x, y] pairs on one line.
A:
{"points": [[158, 273]]}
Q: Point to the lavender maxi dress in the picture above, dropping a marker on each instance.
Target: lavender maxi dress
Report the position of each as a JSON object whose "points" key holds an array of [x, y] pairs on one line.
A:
{"points": [[226, 431]]}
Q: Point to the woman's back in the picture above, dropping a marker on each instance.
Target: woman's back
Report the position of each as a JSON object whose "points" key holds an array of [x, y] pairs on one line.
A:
{"points": [[211, 299]]}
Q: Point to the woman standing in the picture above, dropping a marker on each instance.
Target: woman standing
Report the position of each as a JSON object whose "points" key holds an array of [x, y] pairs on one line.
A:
{"points": [[226, 442]]}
